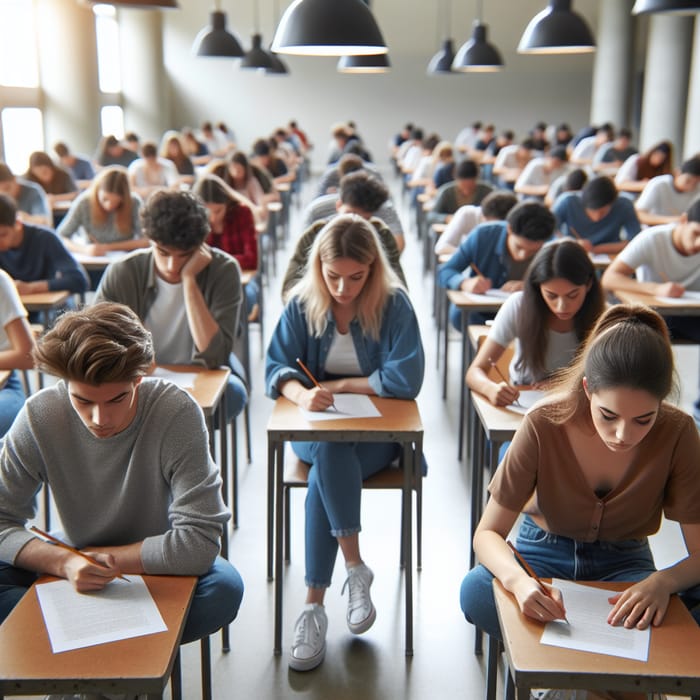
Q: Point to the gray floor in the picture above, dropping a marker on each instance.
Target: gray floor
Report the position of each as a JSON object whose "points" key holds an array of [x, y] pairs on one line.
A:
{"points": [[373, 665]]}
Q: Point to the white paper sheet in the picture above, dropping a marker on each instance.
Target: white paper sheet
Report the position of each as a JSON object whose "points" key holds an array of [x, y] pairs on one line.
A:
{"points": [[119, 611], [587, 610], [526, 400], [600, 258], [346, 406], [689, 297], [185, 380], [489, 297]]}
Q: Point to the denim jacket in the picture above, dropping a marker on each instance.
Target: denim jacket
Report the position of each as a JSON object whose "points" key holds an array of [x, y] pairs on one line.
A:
{"points": [[394, 364]]}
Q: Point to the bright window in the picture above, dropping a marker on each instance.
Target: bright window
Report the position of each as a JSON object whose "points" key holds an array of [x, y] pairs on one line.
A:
{"points": [[19, 65], [112, 121], [107, 31], [23, 133]]}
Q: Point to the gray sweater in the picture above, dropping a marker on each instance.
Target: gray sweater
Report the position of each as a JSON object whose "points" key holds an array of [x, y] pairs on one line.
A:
{"points": [[155, 481]]}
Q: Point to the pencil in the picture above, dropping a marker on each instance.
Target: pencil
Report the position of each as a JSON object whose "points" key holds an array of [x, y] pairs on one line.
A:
{"points": [[307, 372], [503, 379], [63, 545], [577, 236], [530, 571], [475, 269]]}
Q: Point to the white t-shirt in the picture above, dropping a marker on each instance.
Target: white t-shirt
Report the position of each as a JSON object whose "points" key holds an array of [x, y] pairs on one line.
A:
{"points": [[585, 149], [167, 321], [660, 197], [342, 357], [561, 347], [463, 221], [11, 307], [628, 170], [652, 254], [166, 175], [507, 157], [534, 173]]}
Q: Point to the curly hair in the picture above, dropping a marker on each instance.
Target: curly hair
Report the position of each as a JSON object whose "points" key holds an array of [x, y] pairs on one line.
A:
{"points": [[177, 219]]}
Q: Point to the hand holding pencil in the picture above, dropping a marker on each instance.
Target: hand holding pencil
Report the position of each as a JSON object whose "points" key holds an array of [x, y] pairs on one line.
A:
{"points": [[323, 400]]}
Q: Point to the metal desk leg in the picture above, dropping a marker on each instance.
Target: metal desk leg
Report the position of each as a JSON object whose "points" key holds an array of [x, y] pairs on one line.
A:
{"points": [[445, 331], [279, 516], [411, 455], [270, 507], [463, 387]]}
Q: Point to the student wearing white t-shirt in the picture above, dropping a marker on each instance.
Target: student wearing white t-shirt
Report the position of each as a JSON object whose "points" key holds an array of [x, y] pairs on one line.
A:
{"points": [[16, 343], [560, 302]]}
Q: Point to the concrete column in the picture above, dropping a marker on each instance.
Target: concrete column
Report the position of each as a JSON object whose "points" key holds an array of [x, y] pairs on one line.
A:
{"points": [[68, 67], [610, 99], [666, 80], [692, 116], [144, 89]]}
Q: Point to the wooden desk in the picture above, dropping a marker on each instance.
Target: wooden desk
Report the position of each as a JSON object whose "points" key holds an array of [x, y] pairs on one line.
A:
{"points": [[467, 304], [400, 422], [691, 308], [137, 665], [44, 302], [673, 665], [99, 262]]}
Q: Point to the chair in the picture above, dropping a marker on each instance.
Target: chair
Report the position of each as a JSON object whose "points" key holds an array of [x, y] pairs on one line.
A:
{"points": [[205, 662]]}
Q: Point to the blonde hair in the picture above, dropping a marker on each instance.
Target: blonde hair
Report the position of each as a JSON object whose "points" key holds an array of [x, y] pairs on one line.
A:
{"points": [[114, 180], [347, 236]]}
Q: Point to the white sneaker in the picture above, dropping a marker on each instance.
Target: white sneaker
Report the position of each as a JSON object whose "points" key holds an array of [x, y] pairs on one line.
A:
{"points": [[361, 611], [309, 646]]}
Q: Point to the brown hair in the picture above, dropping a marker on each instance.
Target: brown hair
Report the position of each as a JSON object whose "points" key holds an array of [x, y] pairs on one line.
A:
{"points": [[100, 344], [114, 180], [646, 170]]}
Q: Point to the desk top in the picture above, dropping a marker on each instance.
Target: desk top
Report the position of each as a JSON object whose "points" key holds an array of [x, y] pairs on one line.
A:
{"points": [[673, 664], [209, 384], [465, 301], [400, 421], [140, 664], [44, 300], [689, 308]]}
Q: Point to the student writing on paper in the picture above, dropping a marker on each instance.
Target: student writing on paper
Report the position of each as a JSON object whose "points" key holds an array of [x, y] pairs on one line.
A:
{"points": [[500, 250], [127, 459], [548, 320], [593, 469], [351, 323]]}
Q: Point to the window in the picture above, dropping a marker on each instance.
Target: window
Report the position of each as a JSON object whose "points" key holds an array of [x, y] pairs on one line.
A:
{"points": [[107, 31], [23, 133], [112, 121], [19, 66]]}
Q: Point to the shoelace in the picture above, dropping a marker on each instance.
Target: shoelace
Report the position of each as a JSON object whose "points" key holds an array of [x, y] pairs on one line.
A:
{"points": [[304, 629], [355, 586]]}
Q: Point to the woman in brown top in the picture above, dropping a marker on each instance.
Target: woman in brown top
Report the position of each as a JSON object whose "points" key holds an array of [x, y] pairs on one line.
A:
{"points": [[593, 469]]}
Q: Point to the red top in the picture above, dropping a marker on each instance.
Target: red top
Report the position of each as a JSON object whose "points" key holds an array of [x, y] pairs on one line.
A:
{"points": [[238, 237]]}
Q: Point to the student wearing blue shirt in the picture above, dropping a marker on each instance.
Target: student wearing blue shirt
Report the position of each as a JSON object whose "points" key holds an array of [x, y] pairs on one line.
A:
{"points": [[500, 251], [597, 216], [350, 321], [31, 199]]}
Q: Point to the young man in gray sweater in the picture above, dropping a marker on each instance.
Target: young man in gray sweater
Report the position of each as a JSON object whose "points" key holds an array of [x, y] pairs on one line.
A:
{"points": [[127, 460]]}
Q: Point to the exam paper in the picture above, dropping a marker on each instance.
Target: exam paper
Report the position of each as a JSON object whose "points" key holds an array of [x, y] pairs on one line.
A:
{"points": [[526, 400], [346, 406], [587, 610], [121, 610], [185, 380], [689, 297], [489, 297]]}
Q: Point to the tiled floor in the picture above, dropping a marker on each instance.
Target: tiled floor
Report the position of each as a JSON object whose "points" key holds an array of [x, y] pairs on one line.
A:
{"points": [[374, 665]]}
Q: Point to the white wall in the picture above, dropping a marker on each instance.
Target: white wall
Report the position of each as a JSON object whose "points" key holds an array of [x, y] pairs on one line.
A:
{"points": [[553, 88]]}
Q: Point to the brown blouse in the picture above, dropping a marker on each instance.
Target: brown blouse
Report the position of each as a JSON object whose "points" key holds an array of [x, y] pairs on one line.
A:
{"points": [[665, 476]]}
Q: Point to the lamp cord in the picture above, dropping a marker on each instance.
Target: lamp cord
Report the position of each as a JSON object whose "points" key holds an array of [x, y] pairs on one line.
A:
{"points": [[479, 10]]}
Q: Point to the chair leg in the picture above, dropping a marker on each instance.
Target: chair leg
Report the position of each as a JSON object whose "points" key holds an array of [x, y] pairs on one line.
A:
{"points": [[234, 472], [205, 654], [287, 527], [510, 686], [492, 668], [478, 642], [225, 639], [419, 524], [248, 442], [47, 507], [176, 679]]}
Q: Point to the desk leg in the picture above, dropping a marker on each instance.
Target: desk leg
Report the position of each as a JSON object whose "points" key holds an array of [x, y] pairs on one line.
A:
{"points": [[270, 507], [411, 455], [463, 386], [477, 486], [279, 515], [223, 466], [445, 337]]}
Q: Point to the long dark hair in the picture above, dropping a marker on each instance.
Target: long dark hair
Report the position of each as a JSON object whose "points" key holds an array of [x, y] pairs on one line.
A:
{"points": [[561, 260]]}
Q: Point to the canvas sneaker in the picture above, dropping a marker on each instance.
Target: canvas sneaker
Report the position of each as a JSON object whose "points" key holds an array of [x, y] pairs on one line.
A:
{"points": [[361, 611], [309, 646]]}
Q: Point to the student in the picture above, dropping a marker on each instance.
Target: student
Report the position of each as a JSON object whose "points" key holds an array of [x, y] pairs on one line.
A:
{"points": [[57, 182], [34, 256], [639, 168], [360, 194], [30, 198], [540, 172], [151, 172], [350, 321], [16, 343], [239, 175], [666, 197], [560, 302], [500, 251], [127, 459], [111, 151], [187, 294], [107, 214], [232, 229], [173, 149], [574, 181], [597, 216], [80, 168], [593, 469]]}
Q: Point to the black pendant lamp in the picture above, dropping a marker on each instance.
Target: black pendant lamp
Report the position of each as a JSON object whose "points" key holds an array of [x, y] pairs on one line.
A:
{"points": [[215, 40], [558, 29], [328, 28], [379, 63], [441, 62], [680, 7], [477, 55], [257, 58]]}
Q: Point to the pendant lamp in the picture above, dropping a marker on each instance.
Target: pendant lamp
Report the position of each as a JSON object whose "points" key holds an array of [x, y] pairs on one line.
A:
{"points": [[138, 4], [681, 7], [441, 62], [378, 63], [278, 67], [328, 28], [558, 29], [257, 58], [477, 55], [215, 40]]}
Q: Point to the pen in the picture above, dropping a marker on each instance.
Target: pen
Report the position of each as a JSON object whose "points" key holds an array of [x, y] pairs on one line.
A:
{"points": [[311, 377], [532, 574], [577, 236], [503, 379], [58, 543], [475, 269]]}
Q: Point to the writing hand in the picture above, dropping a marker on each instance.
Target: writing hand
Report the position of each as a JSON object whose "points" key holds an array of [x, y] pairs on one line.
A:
{"points": [[536, 604], [476, 285], [316, 399], [86, 576], [503, 394], [670, 289]]}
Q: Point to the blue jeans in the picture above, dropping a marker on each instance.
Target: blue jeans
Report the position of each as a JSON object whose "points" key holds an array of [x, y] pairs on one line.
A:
{"points": [[333, 497], [11, 401], [217, 597], [553, 556]]}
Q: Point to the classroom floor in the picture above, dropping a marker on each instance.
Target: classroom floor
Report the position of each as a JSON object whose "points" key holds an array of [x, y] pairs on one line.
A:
{"points": [[373, 665]]}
